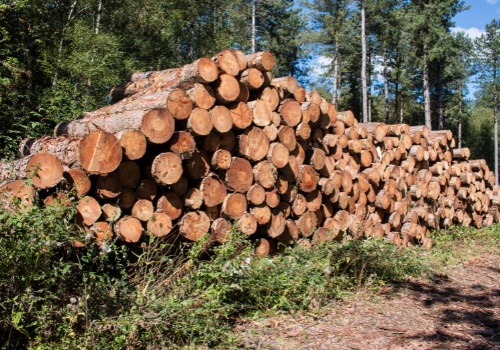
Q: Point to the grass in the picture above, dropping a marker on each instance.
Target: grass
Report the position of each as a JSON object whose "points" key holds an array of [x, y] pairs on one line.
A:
{"points": [[163, 293]]}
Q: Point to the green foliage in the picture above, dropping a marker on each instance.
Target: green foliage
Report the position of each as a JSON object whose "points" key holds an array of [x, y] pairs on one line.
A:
{"points": [[159, 292], [59, 59]]}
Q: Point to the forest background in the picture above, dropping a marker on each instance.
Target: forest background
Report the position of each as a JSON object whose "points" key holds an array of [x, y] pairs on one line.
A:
{"points": [[59, 59]]}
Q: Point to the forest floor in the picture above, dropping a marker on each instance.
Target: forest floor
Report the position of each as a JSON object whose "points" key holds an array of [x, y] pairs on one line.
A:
{"points": [[457, 306]]}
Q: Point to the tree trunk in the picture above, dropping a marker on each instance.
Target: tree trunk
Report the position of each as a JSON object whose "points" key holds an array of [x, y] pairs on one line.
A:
{"points": [[495, 97], [369, 92], [336, 72], [363, 62], [56, 73], [254, 7], [401, 111], [386, 89], [427, 97], [440, 98], [460, 117]]}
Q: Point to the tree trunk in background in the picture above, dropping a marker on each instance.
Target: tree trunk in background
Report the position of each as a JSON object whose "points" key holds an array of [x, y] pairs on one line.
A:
{"points": [[401, 112], [495, 99], [98, 19], [386, 89], [369, 92], [335, 72], [254, 6], [460, 117], [56, 73], [363, 62], [427, 96], [440, 98]]}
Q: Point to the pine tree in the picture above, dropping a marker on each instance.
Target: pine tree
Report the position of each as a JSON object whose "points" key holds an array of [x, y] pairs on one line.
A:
{"points": [[430, 20], [282, 26], [488, 59], [330, 21]]}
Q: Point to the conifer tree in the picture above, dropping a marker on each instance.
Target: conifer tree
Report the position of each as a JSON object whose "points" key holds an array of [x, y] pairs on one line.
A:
{"points": [[429, 21], [488, 59]]}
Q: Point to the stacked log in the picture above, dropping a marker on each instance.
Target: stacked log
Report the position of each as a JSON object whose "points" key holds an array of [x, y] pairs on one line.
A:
{"points": [[220, 141]]}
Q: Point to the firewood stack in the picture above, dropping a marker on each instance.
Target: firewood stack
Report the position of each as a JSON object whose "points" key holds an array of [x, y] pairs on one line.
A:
{"points": [[195, 149]]}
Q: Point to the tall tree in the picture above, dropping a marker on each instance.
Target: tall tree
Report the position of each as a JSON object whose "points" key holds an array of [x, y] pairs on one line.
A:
{"points": [[330, 21], [459, 70], [282, 27], [488, 58], [363, 61], [430, 20]]}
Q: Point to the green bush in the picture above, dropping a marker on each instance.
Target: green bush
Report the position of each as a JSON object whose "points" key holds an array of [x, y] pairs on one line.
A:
{"points": [[162, 292]]}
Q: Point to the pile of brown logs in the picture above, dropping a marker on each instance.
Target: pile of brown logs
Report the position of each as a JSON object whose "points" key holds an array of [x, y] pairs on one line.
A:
{"points": [[195, 149]]}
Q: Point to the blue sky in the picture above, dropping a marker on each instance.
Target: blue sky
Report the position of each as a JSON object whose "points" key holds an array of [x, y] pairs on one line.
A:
{"points": [[474, 20]]}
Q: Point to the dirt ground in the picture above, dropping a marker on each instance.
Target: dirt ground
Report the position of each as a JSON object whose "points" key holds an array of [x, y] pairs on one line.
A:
{"points": [[458, 309]]}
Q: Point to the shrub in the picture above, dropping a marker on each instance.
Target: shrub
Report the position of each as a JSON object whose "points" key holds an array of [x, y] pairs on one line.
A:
{"points": [[162, 292]]}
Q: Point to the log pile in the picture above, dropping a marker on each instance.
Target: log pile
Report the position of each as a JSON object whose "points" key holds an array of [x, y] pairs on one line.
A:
{"points": [[220, 141]]}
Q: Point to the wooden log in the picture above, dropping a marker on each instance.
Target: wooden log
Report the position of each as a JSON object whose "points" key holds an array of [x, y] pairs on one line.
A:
{"points": [[166, 168], [239, 176], [278, 154], [256, 195], [101, 231], [227, 62], [265, 174], [88, 211], [310, 112], [383, 199], [108, 186], [16, 195], [126, 199], [314, 200], [377, 130], [306, 224], [252, 78], [222, 118], [262, 248], [202, 96], [111, 212], [307, 178], [247, 224], [129, 174], [143, 210], [197, 167], [256, 144], [347, 117], [221, 229], [227, 89], [262, 214], [272, 198], [159, 225], [213, 190], [221, 160], [291, 112], [133, 143], [129, 229], [288, 84], [170, 204], [202, 70], [146, 189], [194, 225], [263, 61], [76, 180], [199, 122], [276, 224]]}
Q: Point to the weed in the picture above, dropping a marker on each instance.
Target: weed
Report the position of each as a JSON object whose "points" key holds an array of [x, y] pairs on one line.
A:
{"points": [[162, 292]]}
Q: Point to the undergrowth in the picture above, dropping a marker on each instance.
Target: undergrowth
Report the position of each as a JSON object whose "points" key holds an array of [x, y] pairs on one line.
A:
{"points": [[458, 243], [162, 292]]}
